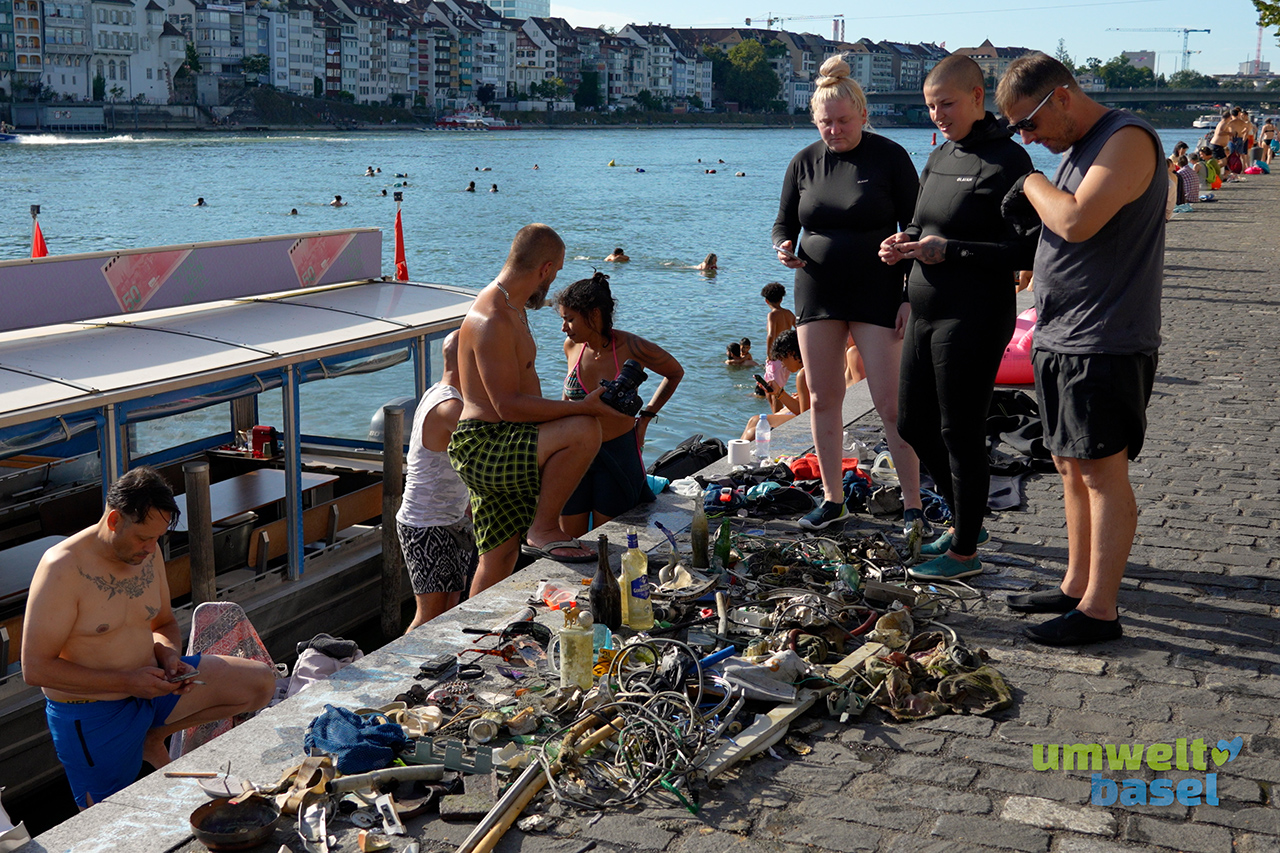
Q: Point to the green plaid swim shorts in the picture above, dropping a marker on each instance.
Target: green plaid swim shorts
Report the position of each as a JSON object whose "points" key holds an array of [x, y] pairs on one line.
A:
{"points": [[499, 464]]}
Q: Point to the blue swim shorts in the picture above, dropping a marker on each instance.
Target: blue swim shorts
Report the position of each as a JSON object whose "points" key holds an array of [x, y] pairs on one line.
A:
{"points": [[100, 743]]}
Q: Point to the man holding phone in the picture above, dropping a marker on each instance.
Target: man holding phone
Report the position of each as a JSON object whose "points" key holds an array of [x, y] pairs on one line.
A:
{"points": [[101, 640]]}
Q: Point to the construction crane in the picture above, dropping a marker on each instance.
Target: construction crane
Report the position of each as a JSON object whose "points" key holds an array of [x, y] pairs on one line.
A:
{"points": [[1186, 32], [837, 22]]}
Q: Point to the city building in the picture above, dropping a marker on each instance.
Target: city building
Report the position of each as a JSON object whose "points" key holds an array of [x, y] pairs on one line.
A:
{"points": [[28, 37], [67, 49], [521, 8], [993, 60], [6, 45]]}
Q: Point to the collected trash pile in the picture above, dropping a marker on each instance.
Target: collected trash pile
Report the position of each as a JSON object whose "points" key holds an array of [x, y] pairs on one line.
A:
{"points": [[649, 687]]}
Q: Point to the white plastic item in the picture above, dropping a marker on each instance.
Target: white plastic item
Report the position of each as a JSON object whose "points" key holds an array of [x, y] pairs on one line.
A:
{"points": [[739, 452], [882, 471], [763, 433]]}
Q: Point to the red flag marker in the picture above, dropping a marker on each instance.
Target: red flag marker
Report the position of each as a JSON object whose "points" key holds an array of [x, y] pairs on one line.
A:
{"points": [[38, 248], [402, 265]]}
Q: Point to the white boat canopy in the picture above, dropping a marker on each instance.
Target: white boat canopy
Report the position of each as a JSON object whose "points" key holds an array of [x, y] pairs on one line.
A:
{"points": [[51, 373]]}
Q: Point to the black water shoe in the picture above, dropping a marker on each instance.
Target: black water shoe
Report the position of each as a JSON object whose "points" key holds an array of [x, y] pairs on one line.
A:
{"points": [[1045, 601], [1075, 629]]}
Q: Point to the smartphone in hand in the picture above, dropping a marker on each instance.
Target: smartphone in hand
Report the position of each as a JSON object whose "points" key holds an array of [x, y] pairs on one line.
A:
{"points": [[787, 253], [762, 384]]}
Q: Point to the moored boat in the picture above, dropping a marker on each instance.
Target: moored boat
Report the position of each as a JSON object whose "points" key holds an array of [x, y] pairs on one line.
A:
{"points": [[474, 121], [1207, 121], [205, 352]]}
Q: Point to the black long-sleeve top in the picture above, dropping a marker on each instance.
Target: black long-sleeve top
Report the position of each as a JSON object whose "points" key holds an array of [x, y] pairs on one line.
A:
{"points": [[961, 188], [847, 203]]}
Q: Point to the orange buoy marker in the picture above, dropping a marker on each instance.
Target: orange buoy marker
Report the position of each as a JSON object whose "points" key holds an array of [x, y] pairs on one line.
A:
{"points": [[935, 137]]}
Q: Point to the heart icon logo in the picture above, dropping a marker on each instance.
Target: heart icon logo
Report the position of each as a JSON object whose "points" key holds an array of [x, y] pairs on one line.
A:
{"points": [[1227, 750]]}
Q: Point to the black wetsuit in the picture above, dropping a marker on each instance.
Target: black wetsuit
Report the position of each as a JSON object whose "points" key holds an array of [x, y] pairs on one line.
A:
{"points": [[847, 203], [962, 315]]}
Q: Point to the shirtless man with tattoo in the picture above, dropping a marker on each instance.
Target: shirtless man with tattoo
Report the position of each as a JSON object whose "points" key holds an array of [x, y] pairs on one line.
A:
{"points": [[101, 640]]}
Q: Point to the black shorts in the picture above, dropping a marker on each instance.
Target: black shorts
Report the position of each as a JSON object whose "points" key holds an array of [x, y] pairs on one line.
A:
{"points": [[1218, 152], [1093, 406]]}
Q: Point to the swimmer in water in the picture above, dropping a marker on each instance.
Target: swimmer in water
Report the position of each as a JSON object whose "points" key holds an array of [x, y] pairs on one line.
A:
{"points": [[368, 173], [402, 174], [471, 187], [337, 202], [293, 212], [708, 263], [535, 167], [617, 257], [384, 193], [200, 202], [493, 188]]}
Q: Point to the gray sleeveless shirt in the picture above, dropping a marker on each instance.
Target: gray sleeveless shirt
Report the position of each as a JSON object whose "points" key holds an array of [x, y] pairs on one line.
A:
{"points": [[1102, 295]]}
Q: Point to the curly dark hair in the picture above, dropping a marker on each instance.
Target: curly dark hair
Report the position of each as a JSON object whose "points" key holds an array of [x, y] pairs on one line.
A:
{"points": [[587, 295], [773, 293], [141, 490], [786, 344]]}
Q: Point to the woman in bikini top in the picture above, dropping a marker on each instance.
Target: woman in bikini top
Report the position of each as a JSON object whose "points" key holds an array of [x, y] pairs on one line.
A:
{"points": [[596, 351]]}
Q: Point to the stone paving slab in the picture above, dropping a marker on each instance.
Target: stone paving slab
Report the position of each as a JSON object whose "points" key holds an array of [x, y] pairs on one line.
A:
{"points": [[1198, 660]]}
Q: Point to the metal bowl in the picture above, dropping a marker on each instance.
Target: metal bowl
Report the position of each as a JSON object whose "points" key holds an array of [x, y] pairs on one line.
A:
{"points": [[219, 825]]}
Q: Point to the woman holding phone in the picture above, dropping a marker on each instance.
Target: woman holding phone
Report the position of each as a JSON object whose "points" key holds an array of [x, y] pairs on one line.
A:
{"points": [[962, 304], [848, 192]]}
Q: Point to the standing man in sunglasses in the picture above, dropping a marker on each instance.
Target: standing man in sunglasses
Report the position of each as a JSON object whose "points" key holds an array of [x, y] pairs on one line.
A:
{"points": [[1098, 270]]}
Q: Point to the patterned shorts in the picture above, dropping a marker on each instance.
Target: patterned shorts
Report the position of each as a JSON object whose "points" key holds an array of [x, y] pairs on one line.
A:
{"points": [[499, 464], [440, 559]]}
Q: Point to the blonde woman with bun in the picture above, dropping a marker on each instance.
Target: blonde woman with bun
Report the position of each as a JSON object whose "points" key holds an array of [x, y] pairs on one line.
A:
{"points": [[848, 192]]}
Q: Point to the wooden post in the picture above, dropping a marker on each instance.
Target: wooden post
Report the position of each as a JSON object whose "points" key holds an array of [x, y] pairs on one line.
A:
{"points": [[392, 489], [199, 532]]}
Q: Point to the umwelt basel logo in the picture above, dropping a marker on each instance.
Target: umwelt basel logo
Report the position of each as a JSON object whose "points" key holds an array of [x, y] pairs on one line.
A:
{"points": [[1182, 755]]}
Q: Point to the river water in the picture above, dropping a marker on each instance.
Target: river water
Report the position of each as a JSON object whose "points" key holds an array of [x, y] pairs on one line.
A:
{"points": [[131, 191]]}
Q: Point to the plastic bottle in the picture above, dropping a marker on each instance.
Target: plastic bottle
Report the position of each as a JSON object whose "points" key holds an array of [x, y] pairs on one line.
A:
{"points": [[700, 535], [637, 609], [763, 434], [576, 655], [606, 598], [556, 595]]}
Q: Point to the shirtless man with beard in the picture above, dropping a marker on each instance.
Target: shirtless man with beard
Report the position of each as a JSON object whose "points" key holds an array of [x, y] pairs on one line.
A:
{"points": [[520, 454]]}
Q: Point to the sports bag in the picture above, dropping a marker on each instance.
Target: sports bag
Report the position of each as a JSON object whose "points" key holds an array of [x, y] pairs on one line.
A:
{"points": [[688, 457]]}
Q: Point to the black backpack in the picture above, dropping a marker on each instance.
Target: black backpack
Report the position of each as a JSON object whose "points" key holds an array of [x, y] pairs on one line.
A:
{"points": [[688, 457]]}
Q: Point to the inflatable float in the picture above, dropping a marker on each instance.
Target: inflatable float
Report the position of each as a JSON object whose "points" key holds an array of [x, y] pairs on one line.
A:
{"points": [[1015, 366]]}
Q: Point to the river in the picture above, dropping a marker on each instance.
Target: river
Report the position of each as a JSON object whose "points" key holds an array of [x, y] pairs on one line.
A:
{"points": [[132, 191]]}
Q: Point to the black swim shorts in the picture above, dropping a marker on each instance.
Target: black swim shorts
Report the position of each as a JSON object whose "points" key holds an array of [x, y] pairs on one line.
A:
{"points": [[1093, 406]]}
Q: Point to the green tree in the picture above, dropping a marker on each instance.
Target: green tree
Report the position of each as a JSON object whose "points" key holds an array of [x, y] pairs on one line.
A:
{"points": [[486, 94], [317, 87], [1190, 79], [587, 97], [1120, 73], [750, 81], [719, 64], [190, 65], [257, 65], [696, 103], [1093, 65], [1062, 56], [647, 101], [99, 87]]}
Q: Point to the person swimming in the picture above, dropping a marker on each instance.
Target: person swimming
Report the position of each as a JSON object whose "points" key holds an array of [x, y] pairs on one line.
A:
{"points": [[535, 167], [200, 202], [471, 187], [293, 212], [493, 188], [369, 173], [384, 193], [337, 202], [402, 174], [617, 257], [709, 263]]}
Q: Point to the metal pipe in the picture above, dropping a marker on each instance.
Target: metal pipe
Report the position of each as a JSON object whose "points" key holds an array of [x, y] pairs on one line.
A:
{"points": [[412, 773], [392, 490], [291, 410], [200, 532]]}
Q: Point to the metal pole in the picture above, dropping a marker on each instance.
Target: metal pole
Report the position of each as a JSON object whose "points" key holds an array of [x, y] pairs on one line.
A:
{"points": [[293, 470], [199, 532], [392, 489]]}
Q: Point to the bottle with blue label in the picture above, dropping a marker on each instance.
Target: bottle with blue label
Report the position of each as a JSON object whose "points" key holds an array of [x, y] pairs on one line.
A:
{"points": [[637, 609]]}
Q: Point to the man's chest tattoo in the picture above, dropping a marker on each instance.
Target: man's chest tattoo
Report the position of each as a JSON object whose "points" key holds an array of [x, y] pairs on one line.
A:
{"points": [[129, 587]]}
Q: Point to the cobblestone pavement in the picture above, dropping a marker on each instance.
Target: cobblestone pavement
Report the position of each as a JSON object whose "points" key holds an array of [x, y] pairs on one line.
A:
{"points": [[1198, 659]]}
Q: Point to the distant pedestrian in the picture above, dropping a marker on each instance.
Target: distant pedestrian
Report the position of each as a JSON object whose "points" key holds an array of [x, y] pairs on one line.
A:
{"points": [[1099, 270]]}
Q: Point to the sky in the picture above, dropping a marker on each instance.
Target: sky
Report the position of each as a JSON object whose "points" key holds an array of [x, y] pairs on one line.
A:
{"points": [[1036, 24]]}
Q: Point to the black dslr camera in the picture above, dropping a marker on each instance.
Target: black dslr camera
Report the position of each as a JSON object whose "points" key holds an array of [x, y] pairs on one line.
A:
{"points": [[621, 393]]}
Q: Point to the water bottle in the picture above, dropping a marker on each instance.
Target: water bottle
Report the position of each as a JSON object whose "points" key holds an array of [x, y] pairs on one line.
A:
{"points": [[763, 434]]}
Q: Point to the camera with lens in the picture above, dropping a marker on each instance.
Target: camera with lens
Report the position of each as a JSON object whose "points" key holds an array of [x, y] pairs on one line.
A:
{"points": [[621, 393]]}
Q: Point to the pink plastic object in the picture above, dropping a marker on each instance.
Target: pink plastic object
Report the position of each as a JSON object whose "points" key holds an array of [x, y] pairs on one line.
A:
{"points": [[1015, 367], [556, 595]]}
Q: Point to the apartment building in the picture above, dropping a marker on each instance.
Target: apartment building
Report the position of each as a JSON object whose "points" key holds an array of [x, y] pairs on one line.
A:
{"points": [[6, 45], [520, 8], [67, 48]]}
